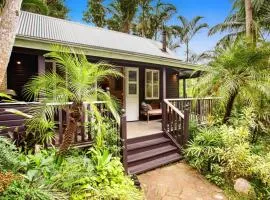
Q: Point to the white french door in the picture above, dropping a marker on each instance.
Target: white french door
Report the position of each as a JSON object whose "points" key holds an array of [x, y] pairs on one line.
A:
{"points": [[132, 93]]}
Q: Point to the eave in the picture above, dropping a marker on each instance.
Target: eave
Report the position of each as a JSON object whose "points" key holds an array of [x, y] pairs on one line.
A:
{"points": [[42, 44]]}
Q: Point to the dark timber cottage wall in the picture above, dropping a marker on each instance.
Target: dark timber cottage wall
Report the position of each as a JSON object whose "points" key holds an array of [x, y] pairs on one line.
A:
{"points": [[19, 73], [31, 65], [172, 84]]}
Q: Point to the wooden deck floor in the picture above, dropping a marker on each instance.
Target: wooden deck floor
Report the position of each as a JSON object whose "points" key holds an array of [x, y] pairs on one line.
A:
{"points": [[142, 128]]}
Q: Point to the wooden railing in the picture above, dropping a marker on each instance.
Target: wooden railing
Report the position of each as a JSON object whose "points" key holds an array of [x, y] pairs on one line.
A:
{"points": [[175, 123], [16, 124], [199, 108], [176, 114]]}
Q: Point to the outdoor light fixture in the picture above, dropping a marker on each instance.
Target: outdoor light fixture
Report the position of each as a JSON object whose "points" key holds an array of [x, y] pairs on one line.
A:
{"points": [[19, 62]]}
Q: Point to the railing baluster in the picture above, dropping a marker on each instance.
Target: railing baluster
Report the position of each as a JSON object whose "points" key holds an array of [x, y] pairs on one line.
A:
{"points": [[170, 121], [83, 118], [173, 123], [60, 130], [177, 128]]}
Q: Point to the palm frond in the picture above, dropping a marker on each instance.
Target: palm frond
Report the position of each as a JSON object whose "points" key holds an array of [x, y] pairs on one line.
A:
{"points": [[36, 5]]}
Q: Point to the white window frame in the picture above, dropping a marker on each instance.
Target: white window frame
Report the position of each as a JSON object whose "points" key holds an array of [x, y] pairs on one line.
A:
{"points": [[152, 82], [133, 82]]}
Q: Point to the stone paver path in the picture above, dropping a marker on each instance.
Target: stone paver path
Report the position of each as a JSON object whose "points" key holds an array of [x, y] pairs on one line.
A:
{"points": [[178, 181]]}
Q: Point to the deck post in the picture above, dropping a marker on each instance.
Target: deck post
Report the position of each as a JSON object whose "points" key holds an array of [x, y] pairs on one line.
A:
{"points": [[41, 65], [184, 88], [186, 125], [164, 83], [123, 137], [164, 96], [164, 116]]}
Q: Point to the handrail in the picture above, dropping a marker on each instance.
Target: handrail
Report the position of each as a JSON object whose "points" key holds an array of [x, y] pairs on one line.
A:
{"points": [[175, 123], [196, 98], [37, 102], [174, 108]]}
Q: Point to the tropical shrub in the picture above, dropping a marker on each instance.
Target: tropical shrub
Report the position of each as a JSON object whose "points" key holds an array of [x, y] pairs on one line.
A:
{"points": [[23, 182], [105, 136], [39, 131], [8, 156], [44, 175], [203, 150], [96, 176], [21, 190], [224, 153]]}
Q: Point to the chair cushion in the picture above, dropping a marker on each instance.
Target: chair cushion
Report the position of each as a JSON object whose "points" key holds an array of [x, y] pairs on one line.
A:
{"points": [[155, 112]]}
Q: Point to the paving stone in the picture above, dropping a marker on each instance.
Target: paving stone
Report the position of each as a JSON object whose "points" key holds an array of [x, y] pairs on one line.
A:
{"points": [[178, 182]]}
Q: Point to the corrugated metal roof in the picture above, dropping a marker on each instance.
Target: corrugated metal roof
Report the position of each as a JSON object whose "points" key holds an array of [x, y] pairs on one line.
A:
{"points": [[67, 32]]}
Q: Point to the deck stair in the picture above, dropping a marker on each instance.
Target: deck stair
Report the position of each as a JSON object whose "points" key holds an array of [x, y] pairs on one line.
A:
{"points": [[149, 152]]}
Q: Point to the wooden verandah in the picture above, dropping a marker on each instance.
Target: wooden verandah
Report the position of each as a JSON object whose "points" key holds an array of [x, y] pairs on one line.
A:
{"points": [[176, 114]]}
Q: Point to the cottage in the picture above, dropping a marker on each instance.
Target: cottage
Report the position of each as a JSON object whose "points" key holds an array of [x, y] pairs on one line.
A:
{"points": [[151, 76]]}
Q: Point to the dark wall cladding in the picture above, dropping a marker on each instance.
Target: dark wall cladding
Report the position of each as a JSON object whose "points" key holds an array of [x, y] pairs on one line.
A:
{"points": [[21, 68], [172, 84]]}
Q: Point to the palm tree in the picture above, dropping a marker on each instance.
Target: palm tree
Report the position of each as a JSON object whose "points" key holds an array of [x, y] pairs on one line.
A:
{"points": [[57, 8], [95, 13], [54, 8], [235, 23], [36, 6], [239, 72], [188, 29], [249, 18], [123, 13], [152, 19], [78, 85]]}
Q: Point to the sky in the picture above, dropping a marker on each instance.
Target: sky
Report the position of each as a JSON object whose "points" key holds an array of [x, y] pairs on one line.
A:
{"points": [[213, 11]]}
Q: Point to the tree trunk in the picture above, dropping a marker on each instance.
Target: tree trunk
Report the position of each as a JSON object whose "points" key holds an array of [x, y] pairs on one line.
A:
{"points": [[249, 18], [187, 52], [68, 135], [126, 27], [229, 107], [8, 26], [71, 129]]}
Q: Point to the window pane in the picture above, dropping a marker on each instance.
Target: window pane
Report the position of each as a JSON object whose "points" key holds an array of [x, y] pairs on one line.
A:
{"points": [[155, 90], [149, 77], [149, 90], [155, 78], [132, 88], [132, 76], [48, 67]]}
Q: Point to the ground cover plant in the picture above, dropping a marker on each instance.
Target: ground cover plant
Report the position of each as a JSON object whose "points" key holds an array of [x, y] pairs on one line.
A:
{"points": [[91, 174]]}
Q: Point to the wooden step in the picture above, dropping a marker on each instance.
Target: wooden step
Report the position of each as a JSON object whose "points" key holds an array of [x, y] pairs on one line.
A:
{"points": [[147, 143], [137, 169], [150, 153], [144, 138]]}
